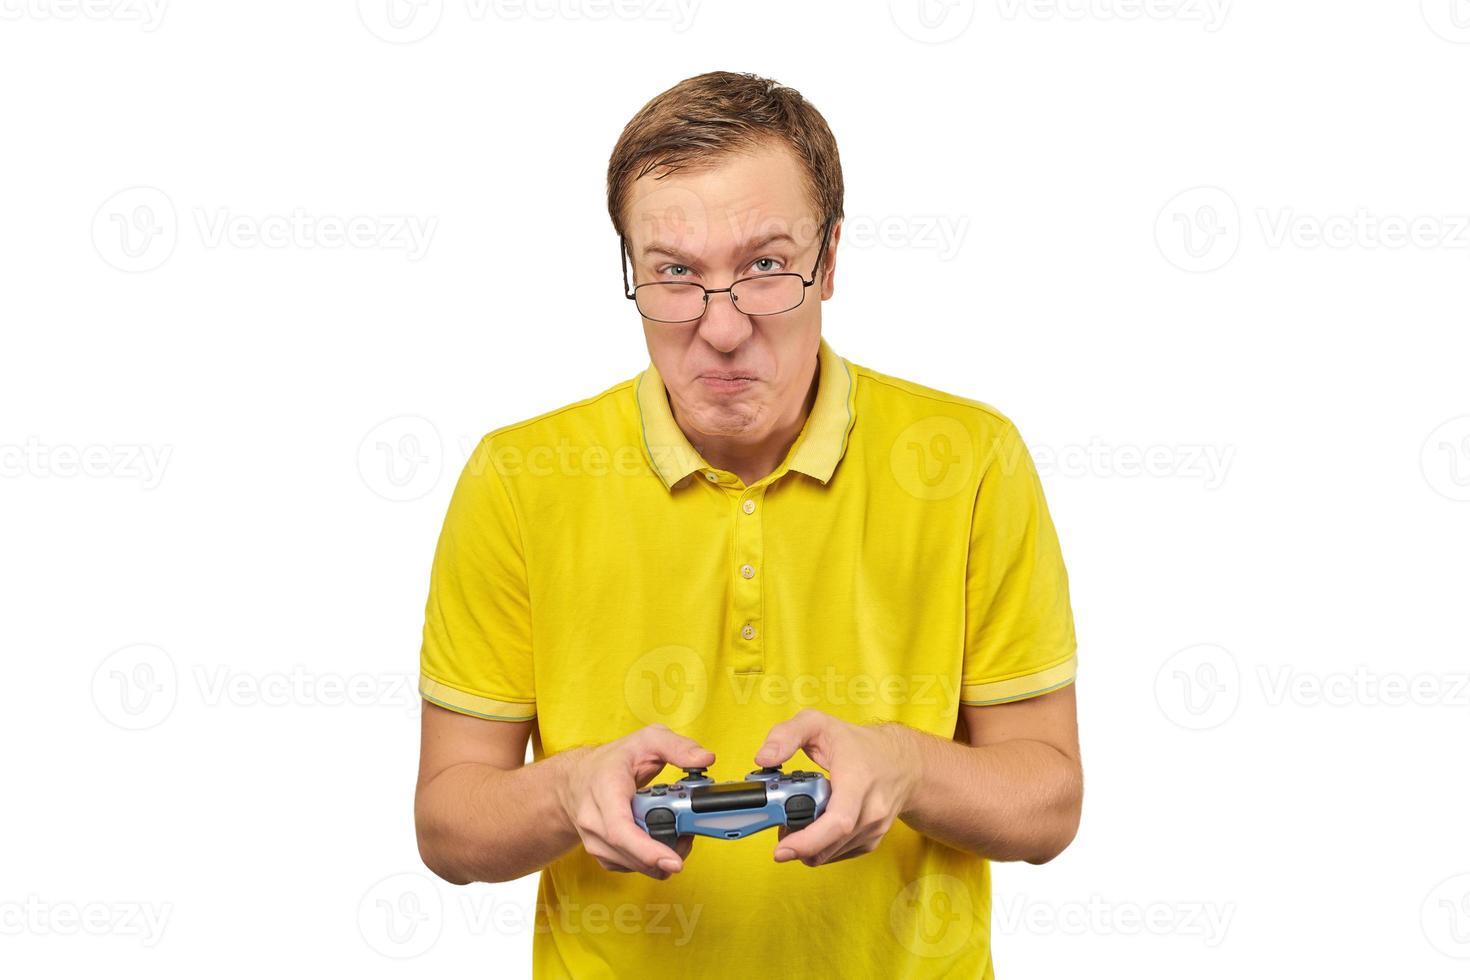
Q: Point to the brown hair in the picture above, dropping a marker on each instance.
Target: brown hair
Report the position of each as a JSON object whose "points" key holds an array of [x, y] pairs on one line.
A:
{"points": [[708, 117]]}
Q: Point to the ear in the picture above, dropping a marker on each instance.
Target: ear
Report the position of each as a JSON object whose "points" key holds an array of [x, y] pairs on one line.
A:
{"points": [[829, 262]]}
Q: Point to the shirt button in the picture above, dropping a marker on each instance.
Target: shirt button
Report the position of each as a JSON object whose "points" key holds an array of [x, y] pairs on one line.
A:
{"points": [[748, 506], [747, 570], [711, 477], [748, 632]]}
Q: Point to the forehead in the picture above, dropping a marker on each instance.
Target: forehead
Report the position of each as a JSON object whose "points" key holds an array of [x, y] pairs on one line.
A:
{"points": [[714, 209]]}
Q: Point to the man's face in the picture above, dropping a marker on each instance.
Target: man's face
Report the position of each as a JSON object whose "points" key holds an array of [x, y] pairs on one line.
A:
{"points": [[746, 216]]}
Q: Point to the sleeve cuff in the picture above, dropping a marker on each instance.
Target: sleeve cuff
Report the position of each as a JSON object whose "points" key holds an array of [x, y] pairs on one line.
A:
{"points": [[473, 704], [1019, 688]]}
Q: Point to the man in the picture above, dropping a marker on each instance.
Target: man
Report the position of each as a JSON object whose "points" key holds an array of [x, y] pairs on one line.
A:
{"points": [[753, 553]]}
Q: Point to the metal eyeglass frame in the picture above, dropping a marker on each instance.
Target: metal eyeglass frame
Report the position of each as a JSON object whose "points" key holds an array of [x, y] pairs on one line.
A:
{"points": [[806, 283]]}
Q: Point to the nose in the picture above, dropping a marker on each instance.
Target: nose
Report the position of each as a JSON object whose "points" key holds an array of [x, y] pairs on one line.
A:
{"points": [[724, 327]]}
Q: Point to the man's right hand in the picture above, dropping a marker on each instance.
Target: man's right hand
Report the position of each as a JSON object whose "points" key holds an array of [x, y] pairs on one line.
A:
{"points": [[596, 793]]}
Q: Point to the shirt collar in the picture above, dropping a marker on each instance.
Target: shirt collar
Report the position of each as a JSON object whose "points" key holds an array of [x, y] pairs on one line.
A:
{"points": [[817, 449]]}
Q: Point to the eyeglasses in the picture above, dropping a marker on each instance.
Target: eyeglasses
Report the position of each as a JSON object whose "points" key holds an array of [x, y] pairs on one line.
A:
{"points": [[683, 302]]}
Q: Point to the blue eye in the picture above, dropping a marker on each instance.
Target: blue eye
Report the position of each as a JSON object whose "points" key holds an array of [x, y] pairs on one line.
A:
{"points": [[666, 270], [767, 259]]}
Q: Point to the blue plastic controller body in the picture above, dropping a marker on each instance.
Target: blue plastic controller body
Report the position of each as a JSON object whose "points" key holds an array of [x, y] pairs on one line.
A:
{"points": [[698, 805]]}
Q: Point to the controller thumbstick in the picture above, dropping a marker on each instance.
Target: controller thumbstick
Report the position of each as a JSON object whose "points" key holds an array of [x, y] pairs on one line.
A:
{"points": [[697, 773], [771, 771]]}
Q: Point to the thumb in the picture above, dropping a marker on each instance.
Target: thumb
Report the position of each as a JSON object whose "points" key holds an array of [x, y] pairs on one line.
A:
{"points": [[674, 748], [797, 732]]}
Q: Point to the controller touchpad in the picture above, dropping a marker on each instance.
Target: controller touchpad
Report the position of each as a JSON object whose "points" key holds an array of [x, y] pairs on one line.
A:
{"points": [[728, 796]]}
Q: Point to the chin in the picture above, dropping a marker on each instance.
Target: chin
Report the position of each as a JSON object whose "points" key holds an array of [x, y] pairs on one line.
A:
{"points": [[724, 418]]}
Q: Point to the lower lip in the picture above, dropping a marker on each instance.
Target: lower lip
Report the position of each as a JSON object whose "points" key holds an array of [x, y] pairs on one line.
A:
{"points": [[721, 384]]}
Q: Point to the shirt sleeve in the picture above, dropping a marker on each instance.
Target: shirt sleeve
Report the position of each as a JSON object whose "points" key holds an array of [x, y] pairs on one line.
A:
{"points": [[1019, 636], [476, 656]]}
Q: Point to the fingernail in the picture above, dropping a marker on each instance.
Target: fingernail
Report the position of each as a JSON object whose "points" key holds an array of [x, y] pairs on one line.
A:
{"points": [[669, 865], [784, 854], [767, 748]]}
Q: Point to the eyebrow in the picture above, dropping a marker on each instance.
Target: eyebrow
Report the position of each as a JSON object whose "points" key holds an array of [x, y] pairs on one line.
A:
{"points": [[659, 248]]}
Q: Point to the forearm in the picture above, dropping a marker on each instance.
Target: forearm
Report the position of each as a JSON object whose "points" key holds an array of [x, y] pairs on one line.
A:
{"points": [[1017, 800], [480, 823]]}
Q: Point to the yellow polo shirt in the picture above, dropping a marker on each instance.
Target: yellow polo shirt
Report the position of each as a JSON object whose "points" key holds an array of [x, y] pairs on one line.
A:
{"points": [[595, 573]]}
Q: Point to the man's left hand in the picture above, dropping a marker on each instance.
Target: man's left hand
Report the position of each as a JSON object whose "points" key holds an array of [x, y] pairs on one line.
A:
{"points": [[874, 770]]}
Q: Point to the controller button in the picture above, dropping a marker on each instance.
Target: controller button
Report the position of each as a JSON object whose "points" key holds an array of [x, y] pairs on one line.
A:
{"points": [[662, 826], [800, 811]]}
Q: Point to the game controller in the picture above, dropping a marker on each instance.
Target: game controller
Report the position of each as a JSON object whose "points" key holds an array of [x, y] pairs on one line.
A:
{"points": [[697, 804]]}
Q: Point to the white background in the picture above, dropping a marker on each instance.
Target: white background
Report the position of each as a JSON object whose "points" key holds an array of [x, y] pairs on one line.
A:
{"points": [[1212, 257]]}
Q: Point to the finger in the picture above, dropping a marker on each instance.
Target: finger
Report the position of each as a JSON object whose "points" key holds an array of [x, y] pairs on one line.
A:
{"points": [[630, 843], [612, 864], [601, 852], [848, 853], [670, 746], [645, 854], [863, 840], [834, 827], [797, 732]]}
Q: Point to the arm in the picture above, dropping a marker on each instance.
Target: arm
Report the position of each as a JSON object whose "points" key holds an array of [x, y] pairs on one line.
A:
{"points": [[474, 793], [483, 815], [1008, 787]]}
